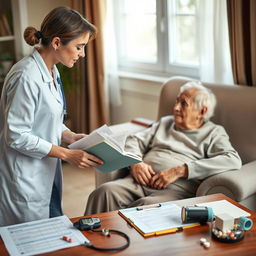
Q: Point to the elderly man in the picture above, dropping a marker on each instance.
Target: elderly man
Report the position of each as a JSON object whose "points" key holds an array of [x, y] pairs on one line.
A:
{"points": [[178, 152]]}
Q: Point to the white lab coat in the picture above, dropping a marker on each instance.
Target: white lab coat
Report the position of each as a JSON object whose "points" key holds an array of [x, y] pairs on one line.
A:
{"points": [[31, 120]]}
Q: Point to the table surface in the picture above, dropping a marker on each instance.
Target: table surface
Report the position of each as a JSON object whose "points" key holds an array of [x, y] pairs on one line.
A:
{"points": [[186, 242]]}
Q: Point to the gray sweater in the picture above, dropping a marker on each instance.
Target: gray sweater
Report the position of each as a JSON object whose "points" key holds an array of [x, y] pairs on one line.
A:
{"points": [[206, 151]]}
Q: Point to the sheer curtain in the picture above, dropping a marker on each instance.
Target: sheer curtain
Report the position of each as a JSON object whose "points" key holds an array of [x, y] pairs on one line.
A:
{"points": [[214, 52], [111, 62]]}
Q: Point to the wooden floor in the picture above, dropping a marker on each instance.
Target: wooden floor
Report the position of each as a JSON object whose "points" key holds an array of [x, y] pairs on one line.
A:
{"points": [[78, 184]]}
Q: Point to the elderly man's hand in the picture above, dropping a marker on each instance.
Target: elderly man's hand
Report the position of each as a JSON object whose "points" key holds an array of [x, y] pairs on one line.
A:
{"points": [[142, 173], [165, 177]]}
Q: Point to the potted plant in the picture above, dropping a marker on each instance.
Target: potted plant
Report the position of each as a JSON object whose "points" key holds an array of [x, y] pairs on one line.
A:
{"points": [[69, 81], [6, 62]]}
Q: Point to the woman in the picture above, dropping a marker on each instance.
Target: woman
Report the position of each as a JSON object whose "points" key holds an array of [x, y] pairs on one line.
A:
{"points": [[31, 120]]}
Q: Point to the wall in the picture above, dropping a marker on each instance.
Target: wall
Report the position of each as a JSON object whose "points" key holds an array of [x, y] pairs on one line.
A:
{"points": [[37, 10], [139, 99]]}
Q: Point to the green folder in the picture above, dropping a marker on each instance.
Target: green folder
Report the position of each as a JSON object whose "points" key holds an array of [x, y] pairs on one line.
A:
{"points": [[112, 157], [108, 147]]}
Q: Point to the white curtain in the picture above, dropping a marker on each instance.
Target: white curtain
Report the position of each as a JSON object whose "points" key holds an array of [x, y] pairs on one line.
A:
{"points": [[111, 64], [214, 49]]}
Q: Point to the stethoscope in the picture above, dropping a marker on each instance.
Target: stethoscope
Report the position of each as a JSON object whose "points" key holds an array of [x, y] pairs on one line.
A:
{"points": [[63, 98]]}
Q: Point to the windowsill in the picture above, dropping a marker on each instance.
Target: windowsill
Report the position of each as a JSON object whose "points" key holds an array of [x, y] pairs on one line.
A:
{"points": [[140, 84], [6, 38], [144, 77], [143, 84]]}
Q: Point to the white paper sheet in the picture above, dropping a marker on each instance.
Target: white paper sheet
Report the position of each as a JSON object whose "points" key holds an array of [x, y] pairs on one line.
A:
{"points": [[40, 236], [96, 136], [224, 206]]}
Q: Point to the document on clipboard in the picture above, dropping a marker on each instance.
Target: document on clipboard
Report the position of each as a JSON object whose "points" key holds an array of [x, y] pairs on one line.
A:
{"points": [[158, 219]]}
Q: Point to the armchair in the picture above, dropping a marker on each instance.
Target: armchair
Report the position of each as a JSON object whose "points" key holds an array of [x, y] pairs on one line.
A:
{"points": [[236, 111]]}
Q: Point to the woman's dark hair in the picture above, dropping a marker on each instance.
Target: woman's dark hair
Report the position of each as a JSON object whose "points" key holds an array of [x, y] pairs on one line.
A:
{"points": [[61, 22]]}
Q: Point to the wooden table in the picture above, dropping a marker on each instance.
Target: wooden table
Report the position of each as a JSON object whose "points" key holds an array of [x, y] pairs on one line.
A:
{"points": [[182, 243]]}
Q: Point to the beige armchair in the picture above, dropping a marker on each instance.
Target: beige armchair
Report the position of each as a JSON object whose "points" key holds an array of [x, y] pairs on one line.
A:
{"points": [[236, 111]]}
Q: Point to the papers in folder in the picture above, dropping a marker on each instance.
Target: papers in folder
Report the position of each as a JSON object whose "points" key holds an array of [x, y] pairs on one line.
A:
{"points": [[109, 147], [157, 219]]}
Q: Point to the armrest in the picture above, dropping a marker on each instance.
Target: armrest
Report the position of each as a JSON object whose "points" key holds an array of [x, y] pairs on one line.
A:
{"points": [[135, 125], [237, 184], [142, 121]]}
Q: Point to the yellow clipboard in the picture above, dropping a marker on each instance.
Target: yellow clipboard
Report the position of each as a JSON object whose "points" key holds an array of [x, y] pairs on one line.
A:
{"points": [[154, 220]]}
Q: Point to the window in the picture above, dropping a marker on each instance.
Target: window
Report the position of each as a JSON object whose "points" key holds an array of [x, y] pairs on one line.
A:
{"points": [[157, 36]]}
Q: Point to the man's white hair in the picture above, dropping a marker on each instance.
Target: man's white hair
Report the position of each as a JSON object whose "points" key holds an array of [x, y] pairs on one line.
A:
{"points": [[204, 97]]}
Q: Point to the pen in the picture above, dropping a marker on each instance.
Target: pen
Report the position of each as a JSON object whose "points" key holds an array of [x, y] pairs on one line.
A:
{"points": [[171, 230], [148, 207]]}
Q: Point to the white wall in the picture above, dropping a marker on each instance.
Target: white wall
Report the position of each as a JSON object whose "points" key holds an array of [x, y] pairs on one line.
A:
{"points": [[139, 99]]}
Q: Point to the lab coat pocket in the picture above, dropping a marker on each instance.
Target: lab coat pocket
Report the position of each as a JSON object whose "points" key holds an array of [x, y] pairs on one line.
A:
{"points": [[30, 180]]}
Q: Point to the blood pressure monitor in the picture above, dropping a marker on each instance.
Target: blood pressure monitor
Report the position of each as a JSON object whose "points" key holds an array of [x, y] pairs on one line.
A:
{"points": [[87, 223]]}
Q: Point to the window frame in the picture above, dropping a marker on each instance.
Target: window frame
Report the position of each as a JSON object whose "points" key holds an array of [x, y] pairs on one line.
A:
{"points": [[162, 67]]}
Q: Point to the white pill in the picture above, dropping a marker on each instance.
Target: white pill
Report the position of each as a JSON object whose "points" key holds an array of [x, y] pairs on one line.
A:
{"points": [[203, 240], [207, 244]]}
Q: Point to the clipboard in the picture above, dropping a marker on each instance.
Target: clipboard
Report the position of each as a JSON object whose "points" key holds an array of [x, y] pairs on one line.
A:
{"points": [[157, 219]]}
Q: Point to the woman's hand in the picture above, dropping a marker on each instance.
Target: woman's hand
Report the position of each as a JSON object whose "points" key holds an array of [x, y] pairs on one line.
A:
{"points": [[69, 137], [75, 156], [142, 173], [82, 159]]}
